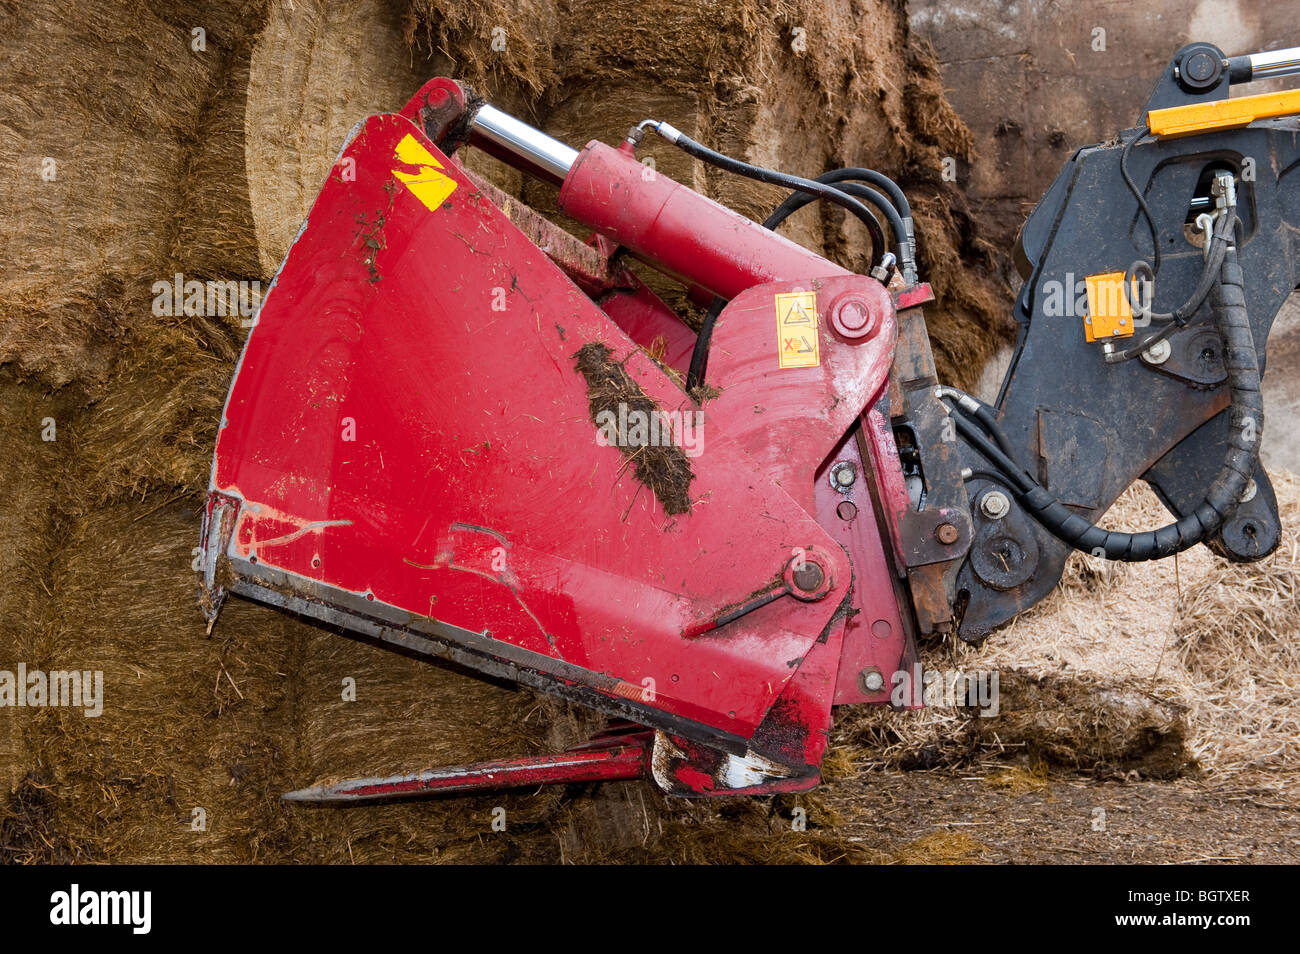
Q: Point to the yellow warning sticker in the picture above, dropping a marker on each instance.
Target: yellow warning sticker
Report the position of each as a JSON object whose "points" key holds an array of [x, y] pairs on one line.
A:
{"points": [[428, 185], [796, 330]]}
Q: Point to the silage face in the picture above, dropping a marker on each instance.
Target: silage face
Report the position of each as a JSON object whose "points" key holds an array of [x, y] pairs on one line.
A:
{"points": [[206, 166]]}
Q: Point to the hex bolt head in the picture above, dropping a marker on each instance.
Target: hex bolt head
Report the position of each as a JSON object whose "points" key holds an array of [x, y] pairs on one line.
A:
{"points": [[1248, 494], [947, 534], [995, 505], [872, 680], [1158, 353], [809, 577]]}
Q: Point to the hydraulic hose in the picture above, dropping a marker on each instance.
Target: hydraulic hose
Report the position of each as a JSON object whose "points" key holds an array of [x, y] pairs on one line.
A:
{"points": [[1246, 426], [907, 253], [1172, 321], [700, 353], [810, 186], [797, 200], [837, 186], [900, 222]]}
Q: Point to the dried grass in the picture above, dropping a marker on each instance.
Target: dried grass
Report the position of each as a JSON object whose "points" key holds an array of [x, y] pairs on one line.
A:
{"points": [[663, 467], [1239, 640], [939, 848], [187, 722], [1151, 668], [113, 95]]}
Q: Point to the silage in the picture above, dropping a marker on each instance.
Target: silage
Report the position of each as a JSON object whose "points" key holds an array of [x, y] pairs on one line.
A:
{"points": [[1183, 665], [1239, 640], [206, 165]]}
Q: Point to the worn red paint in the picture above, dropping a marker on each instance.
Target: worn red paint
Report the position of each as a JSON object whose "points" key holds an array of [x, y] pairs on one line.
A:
{"points": [[475, 492]]}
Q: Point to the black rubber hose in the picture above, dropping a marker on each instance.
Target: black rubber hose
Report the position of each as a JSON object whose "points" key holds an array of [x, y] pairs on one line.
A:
{"points": [[907, 257], [799, 199], [796, 201], [1011, 471], [875, 178], [1246, 417], [1219, 240], [1141, 199], [700, 353], [820, 189], [986, 416]]}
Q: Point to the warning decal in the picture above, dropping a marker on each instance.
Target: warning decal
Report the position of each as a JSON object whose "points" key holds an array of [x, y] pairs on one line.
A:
{"points": [[796, 330], [428, 185]]}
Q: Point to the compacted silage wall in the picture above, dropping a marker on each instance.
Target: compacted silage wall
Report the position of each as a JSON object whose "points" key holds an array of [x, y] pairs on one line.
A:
{"points": [[145, 140], [149, 140]]}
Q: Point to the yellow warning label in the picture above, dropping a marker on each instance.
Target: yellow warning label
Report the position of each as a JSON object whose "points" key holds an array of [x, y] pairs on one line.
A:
{"points": [[428, 185], [796, 330]]}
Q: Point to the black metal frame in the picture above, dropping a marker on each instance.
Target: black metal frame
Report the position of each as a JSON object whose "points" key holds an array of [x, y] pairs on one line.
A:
{"points": [[1090, 428]]}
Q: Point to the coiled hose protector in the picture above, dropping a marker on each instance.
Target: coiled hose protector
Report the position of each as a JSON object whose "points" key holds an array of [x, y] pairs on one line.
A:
{"points": [[1246, 423]]}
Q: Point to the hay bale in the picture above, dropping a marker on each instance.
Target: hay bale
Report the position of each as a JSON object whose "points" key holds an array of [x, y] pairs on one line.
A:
{"points": [[1239, 639], [153, 429], [115, 97], [318, 67], [28, 480], [489, 42], [216, 234], [409, 715], [188, 722]]}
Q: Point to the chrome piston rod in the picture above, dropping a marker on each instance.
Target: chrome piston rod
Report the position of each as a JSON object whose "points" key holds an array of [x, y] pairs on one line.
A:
{"points": [[1268, 65], [496, 132]]}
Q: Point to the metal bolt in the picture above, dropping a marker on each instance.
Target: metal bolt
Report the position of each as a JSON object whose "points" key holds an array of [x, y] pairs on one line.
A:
{"points": [[872, 680], [853, 317], [1158, 353], [1199, 66], [995, 505], [808, 577], [855, 314], [1248, 494], [947, 534], [843, 475]]}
